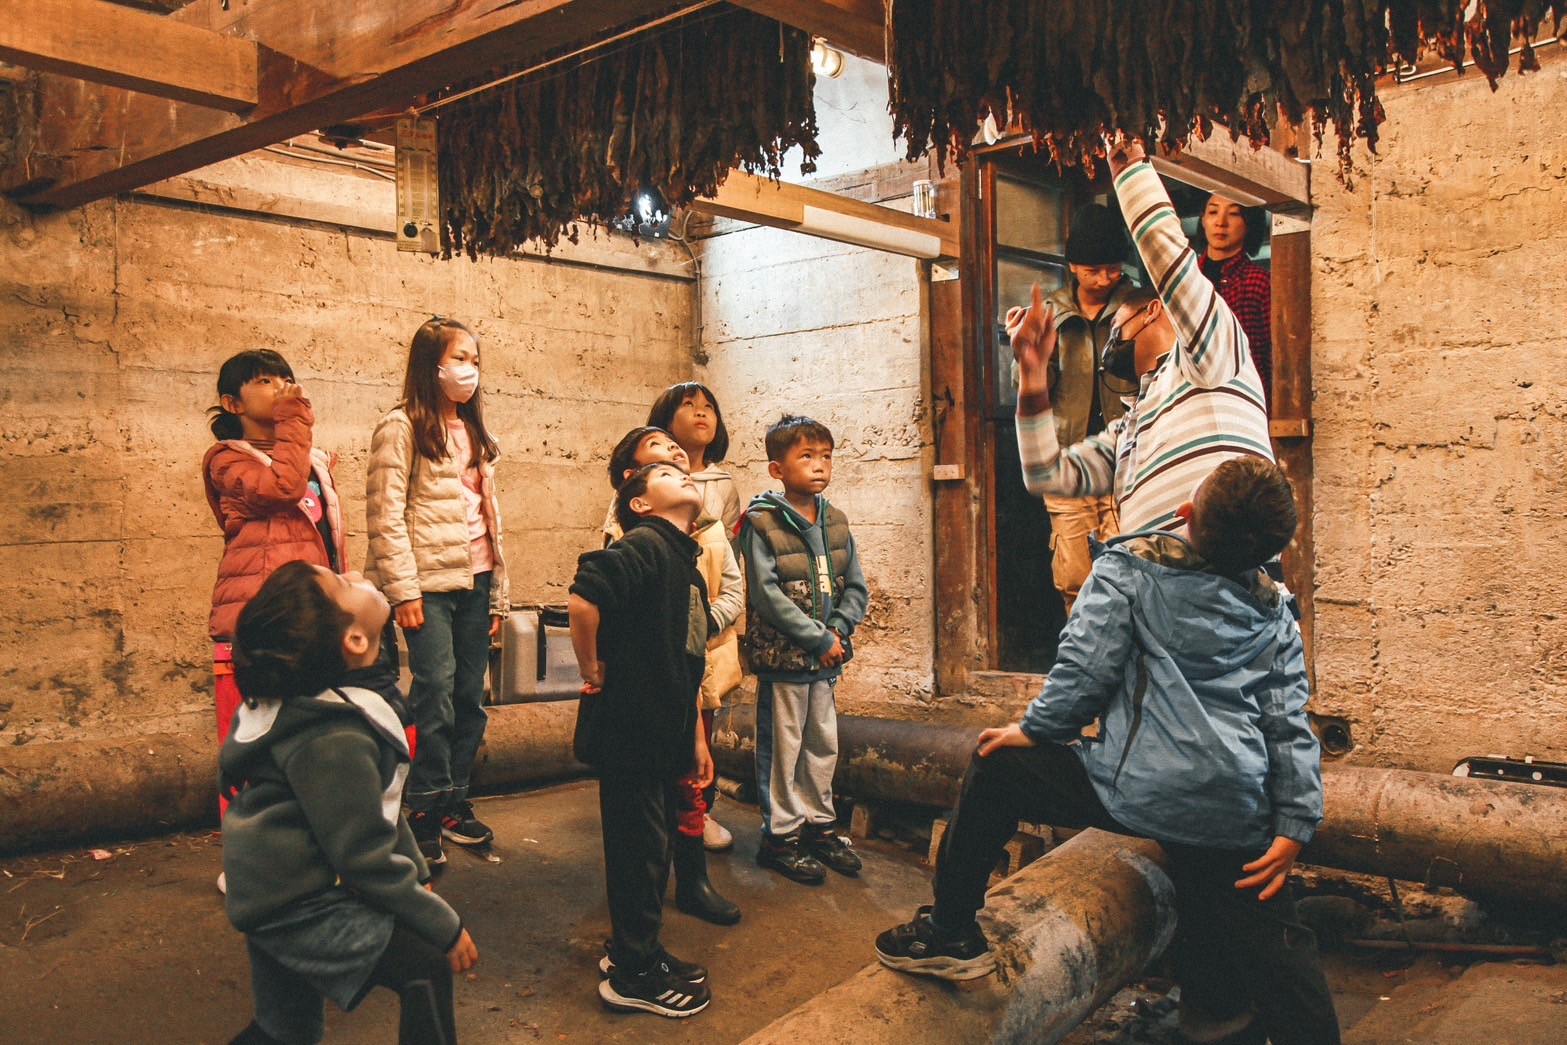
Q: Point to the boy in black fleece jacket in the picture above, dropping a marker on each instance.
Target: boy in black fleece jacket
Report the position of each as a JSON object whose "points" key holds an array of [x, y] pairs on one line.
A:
{"points": [[324, 876], [639, 624]]}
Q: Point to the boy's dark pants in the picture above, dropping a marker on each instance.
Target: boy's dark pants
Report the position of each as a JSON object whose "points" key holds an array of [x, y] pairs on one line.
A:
{"points": [[638, 811], [288, 1006], [1230, 949]]}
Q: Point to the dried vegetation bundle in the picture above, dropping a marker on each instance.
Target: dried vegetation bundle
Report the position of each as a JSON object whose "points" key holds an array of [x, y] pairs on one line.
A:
{"points": [[676, 108], [1070, 71]]}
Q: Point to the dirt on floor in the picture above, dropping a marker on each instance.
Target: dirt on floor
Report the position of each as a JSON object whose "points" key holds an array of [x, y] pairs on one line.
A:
{"points": [[129, 943], [135, 947]]}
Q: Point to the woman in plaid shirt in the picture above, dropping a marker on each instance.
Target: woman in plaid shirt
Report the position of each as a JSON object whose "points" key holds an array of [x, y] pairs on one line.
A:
{"points": [[1234, 234]]}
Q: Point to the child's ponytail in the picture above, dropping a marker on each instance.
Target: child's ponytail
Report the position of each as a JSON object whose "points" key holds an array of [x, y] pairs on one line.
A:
{"points": [[237, 372]]}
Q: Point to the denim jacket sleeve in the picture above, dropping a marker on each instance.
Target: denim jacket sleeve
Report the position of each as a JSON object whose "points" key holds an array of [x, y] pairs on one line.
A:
{"points": [[1294, 760], [1091, 660]]}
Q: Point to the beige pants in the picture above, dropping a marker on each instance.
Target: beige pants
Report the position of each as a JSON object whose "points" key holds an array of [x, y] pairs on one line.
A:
{"points": [[1072, 519]]}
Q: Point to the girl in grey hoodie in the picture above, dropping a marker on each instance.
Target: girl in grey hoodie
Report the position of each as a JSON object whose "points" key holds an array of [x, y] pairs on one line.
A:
{"points": [[324, 876]]}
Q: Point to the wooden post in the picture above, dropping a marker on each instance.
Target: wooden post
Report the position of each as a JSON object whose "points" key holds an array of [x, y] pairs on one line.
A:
{"points": [[959, 538], [1291, 407]]}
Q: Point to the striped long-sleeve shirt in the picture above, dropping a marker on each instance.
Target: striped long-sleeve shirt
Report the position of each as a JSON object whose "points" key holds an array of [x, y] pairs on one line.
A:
{"points": [[1202, 406]]}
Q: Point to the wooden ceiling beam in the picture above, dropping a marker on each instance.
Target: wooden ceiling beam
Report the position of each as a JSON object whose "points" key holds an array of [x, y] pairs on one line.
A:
{"points": [[856, 26], [798, 208], [135, 50], [319, 64], [1218, 164]]}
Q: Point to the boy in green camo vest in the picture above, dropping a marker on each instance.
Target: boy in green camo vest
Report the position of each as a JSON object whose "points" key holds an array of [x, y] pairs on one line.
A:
{"points": [[806, 596]]}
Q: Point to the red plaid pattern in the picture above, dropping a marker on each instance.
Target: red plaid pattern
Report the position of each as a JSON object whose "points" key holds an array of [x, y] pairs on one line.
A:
{"points": [[1248, 289]]}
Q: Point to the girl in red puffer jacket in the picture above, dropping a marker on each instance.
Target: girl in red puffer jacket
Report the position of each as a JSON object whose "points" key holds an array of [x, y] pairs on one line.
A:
{"points": [[271, 492]]}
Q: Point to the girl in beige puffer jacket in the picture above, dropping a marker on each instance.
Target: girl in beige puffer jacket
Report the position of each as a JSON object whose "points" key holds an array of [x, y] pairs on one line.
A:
{"points": [[435, 552]]}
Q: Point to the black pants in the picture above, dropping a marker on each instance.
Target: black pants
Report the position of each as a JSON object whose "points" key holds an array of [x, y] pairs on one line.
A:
{"points": [[1230, 949], [419, 973], [638, 812]]}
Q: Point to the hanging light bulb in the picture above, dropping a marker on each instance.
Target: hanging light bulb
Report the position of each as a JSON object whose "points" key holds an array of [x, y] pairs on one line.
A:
{"points": [[826, 61]]}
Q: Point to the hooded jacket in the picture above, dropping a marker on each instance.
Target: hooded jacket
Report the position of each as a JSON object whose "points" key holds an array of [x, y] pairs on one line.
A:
{"points": [[315, 786], [653, 642], [418, 521], [1200, 685], [255, 498], [803, 581]]}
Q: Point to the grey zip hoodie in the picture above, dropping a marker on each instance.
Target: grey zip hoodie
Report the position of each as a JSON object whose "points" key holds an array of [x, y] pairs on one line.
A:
{"points": [[316, 787]]}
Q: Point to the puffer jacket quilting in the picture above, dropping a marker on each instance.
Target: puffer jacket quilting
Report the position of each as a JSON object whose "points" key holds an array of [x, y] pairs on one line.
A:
{"points": [[417, 521], [255, 498]]}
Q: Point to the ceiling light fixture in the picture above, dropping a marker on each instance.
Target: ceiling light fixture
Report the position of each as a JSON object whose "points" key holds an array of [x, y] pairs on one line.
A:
{"points": [[826, 61]]}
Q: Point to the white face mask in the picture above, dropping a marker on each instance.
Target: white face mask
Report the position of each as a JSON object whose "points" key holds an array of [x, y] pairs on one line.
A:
{"points": [[458, 382]]}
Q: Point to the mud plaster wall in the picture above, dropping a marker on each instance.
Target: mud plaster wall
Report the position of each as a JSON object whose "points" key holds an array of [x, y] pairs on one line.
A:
{"points": [[801, 325], [113, 322], [1441, 427], [795, 324]]}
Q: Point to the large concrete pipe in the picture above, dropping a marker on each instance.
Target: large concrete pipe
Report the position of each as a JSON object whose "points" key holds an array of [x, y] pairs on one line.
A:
{"points": [[1068, 931], [1482, 837], [55, 794]]}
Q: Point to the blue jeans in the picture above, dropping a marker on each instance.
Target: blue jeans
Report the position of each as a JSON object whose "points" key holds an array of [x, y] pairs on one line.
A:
{"points": [[448, 657]]}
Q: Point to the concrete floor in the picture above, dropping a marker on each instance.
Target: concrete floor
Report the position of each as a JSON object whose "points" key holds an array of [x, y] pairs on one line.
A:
{"points": [[135, 948]]}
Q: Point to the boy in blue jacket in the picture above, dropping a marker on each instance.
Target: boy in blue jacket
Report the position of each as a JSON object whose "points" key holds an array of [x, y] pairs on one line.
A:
{"points": [[1185, 650], [806, 595]]}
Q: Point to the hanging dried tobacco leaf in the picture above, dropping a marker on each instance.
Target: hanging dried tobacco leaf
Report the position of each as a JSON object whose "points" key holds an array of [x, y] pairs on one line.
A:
{"points": [[1069, 71], [676, 108]]}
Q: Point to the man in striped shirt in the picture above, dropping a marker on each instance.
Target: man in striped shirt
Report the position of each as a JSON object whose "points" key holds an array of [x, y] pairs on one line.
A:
{"points": [[1200, 401]]}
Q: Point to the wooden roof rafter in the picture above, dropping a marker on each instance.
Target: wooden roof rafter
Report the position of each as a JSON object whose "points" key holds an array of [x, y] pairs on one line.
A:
{"points": [[87, 39], [317, 65]]}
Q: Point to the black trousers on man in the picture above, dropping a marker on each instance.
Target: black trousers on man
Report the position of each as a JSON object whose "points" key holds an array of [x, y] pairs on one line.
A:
{"points": [[1230, 949], [638, 812]]}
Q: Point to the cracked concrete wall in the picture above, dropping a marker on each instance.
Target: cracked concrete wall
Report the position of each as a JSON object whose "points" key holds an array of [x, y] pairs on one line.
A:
{"points": [[115, 319], [794, 324], [1440, 446]]}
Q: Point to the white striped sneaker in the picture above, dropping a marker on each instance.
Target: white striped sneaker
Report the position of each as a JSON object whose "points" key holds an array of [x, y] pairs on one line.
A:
{"points": [[657, 990]]}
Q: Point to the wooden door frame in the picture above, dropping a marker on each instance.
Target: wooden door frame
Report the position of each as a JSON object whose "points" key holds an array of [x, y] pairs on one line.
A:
{"points": [[964, 527]]}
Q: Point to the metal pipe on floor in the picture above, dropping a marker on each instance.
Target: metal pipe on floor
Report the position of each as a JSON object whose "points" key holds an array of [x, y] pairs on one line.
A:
{"points": [[1481, 837], [62, 793], [1068, 930]]}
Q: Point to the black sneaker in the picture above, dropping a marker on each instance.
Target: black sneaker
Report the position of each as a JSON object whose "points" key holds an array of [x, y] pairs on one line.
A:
{"points": [[916, 947], [786, 856], [656, 990], [831, 848], [690, 972], [426, 826], [461, 826]]}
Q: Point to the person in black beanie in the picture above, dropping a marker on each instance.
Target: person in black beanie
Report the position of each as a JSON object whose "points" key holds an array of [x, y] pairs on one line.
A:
{"points": [[1083, 398]]}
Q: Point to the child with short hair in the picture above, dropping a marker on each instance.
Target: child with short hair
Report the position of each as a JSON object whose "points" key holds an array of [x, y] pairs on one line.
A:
{"points": [[270, 490], [435, 551], [698, 831], [1189, 655], [689, 412], [639, 627], [324, 876], [806, 596]]}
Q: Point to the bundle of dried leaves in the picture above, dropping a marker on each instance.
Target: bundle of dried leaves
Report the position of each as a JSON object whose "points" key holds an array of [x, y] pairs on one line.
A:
{"points": [[676, 108], [1070, 71]]}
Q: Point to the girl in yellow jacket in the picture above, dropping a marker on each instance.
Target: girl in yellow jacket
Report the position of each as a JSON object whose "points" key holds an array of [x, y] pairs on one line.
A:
{"points": [[697, 831], [435, 552]]}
